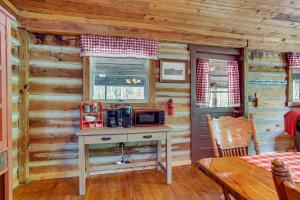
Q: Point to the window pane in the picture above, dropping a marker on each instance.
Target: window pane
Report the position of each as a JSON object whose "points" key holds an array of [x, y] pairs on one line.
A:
{"points": [[99, 92], [219, 99], [296, 88], [119, 92], [219, 83], [120, 79], [296, 84]]}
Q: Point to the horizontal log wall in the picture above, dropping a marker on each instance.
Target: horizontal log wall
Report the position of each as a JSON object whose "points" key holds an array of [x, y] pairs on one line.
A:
{"points": [[55, 91], [15, 43], [181, 94], [55, 94], [264, 66]]}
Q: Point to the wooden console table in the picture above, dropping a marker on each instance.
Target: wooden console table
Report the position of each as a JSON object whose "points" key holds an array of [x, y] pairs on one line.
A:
{"points": [[107, 135]]}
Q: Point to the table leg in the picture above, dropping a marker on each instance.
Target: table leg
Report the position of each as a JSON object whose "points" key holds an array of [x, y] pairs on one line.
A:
{"points": [[87, 159], [158, 154], [169, 159], [81, 166]]}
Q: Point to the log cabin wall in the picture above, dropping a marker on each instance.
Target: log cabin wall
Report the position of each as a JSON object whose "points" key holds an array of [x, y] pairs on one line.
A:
{"points": [[15, 44], [263, 67], [55, 91]]}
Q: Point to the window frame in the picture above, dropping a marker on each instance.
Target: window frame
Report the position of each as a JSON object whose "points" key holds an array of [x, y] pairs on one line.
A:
{"points": [[291, 102], [113, 101]]}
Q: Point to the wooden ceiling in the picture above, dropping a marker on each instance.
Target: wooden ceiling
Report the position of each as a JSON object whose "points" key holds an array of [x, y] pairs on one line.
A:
{"points": [[269, 24]]}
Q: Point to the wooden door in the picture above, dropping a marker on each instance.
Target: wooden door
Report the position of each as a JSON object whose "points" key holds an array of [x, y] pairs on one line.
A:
{"points": [[200, 140], [3, 135], [3, 124], [5, 107]]}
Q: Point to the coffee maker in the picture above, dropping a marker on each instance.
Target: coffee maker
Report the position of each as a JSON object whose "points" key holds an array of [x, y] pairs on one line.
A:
{"points": [[113, 117], [126, 113]]}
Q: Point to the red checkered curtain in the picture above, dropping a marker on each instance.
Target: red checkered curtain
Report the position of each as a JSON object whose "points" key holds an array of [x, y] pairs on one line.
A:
{"points": [[293, 60], [233, 84], [203, 83], [112, 46]]}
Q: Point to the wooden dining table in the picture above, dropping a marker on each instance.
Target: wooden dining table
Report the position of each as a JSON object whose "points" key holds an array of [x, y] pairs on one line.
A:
{"points": [[240, 178]]}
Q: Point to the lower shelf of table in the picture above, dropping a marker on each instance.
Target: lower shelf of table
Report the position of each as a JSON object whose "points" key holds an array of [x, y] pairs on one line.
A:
{"points": [[107, 169]]}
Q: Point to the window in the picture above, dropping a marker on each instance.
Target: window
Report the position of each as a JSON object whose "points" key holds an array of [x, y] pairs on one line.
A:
{"points": [[219, 83], [294, 86], [116, 80]]}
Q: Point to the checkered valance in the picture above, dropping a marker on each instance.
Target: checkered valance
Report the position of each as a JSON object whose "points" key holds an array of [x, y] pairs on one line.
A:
{"points": [[293, 60], [233, 84], [112, 46], [203, 82]]}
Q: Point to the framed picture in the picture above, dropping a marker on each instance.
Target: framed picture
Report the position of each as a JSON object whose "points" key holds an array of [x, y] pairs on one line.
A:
{"points": [[173, 71]]}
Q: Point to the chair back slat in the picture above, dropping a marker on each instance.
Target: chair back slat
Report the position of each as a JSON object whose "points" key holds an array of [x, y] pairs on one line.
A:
{"points": [[234, 152], [245, 151], [231, 136], [230, 152], [223, 153], [285, 186], [237, 153], [241, 151]]}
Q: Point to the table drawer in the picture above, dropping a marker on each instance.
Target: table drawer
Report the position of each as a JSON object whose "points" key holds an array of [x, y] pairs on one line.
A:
{"points": [[146, 137], [102, 139]]}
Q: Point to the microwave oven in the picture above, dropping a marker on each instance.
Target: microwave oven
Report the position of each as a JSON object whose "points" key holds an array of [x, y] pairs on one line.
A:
{"points": [[148, 117]]}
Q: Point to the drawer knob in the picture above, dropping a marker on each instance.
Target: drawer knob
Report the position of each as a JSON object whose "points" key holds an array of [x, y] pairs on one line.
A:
{"points": [[106, 138], [147, 136]]}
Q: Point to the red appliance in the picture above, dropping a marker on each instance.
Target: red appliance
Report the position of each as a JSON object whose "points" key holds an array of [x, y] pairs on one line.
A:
{"points": [[91, 114], [148, 117]]}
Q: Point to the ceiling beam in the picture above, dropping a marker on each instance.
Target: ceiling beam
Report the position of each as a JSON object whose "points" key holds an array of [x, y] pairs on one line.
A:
{"points": [[127, 23], [70, 25], [11, 8], [67, 25]]}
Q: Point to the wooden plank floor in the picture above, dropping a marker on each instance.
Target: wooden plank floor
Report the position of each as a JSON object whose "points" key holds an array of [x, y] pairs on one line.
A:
{"points": [[188, 183]]}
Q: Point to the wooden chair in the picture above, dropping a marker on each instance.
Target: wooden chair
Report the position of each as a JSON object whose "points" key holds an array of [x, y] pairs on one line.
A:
{"points": [[285, 186], [231, 136]]}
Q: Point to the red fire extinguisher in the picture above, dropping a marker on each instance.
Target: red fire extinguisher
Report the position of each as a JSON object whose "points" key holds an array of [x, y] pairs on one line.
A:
{"points": [[170, 107]]}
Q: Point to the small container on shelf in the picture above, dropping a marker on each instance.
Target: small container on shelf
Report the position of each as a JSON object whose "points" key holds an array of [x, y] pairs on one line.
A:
{"points": [[91, 114]]}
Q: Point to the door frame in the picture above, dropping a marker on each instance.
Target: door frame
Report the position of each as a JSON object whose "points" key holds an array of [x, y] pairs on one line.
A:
{"points": [[209, 52]]}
